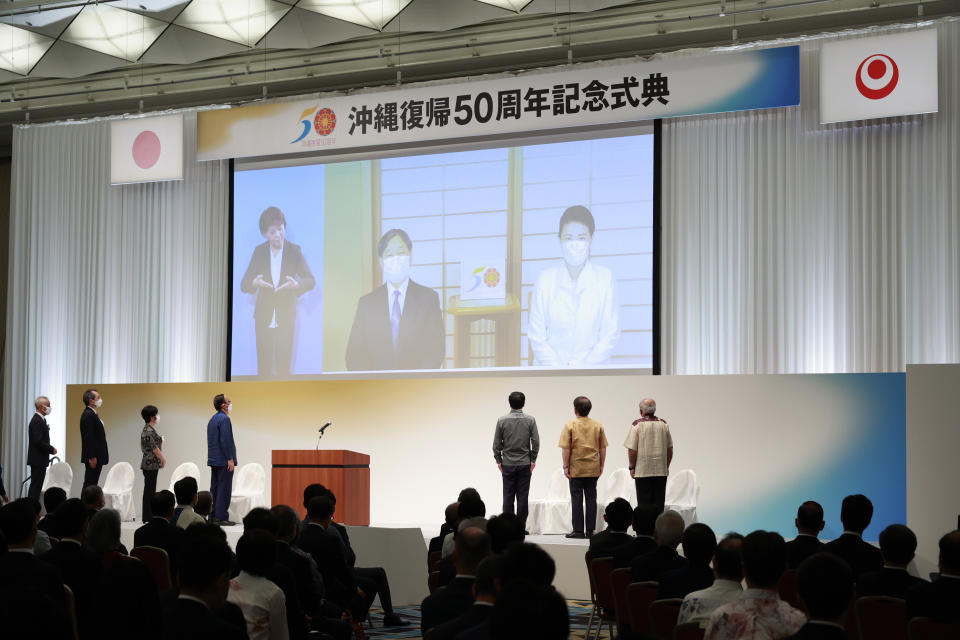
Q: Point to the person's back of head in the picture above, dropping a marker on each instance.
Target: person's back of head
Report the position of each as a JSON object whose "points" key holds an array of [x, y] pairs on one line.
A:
{"points": [[18, 524], [810, 518], [262, 519], [469, 492], [204, 503], [699, 544], [53, 498], [504, 530], [471, 507], [488, 575], [312, 491], [517, 400], [618, 514], [72, 519], [320, 509], [950, 554], [162, 504], [764, 558], [92, 497], [288, 522], [582, 406], [256, 552], [668, 529], [825, 586], [529, 611], [727, 559], [898, 544], [451, 514], [645, 519], [527, 561], [103, 532], [205, 562], [471, 547], [185, 489], [856, 511]]}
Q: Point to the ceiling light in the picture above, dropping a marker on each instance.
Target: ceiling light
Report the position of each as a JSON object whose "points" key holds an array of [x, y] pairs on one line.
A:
{"points": [[512, 5], [374, 14], [41, 18], [241, 22], [115, 32], [20, 49]]}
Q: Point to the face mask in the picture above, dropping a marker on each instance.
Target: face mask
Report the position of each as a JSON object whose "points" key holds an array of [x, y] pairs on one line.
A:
{"points": [[47, 411], [396, 268], [98, 403], [156, 420], [575, 252], [229, 407]]}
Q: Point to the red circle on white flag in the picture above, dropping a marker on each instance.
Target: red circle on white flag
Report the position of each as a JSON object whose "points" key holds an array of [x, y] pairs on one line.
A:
{"points": [[877, 76], [146, 149]]}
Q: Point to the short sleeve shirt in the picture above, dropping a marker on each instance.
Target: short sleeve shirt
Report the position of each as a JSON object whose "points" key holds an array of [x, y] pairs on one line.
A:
{"points": [[650, 439], [585, 438]]}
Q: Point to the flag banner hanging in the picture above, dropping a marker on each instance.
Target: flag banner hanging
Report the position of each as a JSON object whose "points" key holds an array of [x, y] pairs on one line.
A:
{"points": [[146, 149]]}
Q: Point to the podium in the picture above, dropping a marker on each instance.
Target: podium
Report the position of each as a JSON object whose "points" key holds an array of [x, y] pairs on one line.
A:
{"points": [[346, 473]]}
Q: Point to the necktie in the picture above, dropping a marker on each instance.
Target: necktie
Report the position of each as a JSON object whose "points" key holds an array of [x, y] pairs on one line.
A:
{"points": [[395, 317]]}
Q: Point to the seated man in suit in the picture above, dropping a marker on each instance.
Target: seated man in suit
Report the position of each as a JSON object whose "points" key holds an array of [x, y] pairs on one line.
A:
{"points": [[504, 530], [825, 587], [644, 520], [898, 544], [668, 532], [92, 497], [617, 515], [399, 324], [940, 599], [809, 524], [856, 511], [52, 499], [204, 505], [185, 489], [699, 544], [159, 532], [450, 517], [728, 571], [453, 600], [485, 596]]}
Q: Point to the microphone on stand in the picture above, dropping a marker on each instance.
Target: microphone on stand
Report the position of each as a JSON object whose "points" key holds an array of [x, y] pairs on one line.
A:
{"points": [[322, 430]]}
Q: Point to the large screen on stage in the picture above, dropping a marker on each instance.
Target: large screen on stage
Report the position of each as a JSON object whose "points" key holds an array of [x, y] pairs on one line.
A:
{"points": [[513, 257]]}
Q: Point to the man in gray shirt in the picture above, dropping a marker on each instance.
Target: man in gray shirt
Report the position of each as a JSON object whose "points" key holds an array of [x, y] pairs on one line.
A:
{"points": [[515, 446]]}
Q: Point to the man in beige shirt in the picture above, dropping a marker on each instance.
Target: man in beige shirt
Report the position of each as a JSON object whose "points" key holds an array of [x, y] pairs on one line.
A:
{"points": [[650, 451], [584, 447]]}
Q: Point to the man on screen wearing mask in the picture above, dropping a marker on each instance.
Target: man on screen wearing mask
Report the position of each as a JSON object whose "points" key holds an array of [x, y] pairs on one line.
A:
{"points": [[221, 458], [574, 314], [398, 325]]}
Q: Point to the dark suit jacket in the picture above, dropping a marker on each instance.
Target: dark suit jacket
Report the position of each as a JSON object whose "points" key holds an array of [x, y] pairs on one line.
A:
{"points": [[420, 341], [160, 533], [800, 548], [479, 632], [309, 591], [190, 620], [329, 554], [48, 524], [813, 631], [653, 565], [893, 583], [939, 600], [33, 591], [861, 556], [93, 439], [268, 300], [447, 603], [341, 531], [80, 569], [39, 449], [680, 582], [605, 543], [624, 555], [475, 615]]}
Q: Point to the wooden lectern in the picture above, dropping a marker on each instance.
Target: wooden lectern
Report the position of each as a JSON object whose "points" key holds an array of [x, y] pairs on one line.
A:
{"points": [[346, 473]]}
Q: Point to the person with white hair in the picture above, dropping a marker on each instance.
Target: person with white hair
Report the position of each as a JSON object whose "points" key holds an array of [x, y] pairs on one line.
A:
{"points": [[650, 452], [39, 448], [668, 532]]}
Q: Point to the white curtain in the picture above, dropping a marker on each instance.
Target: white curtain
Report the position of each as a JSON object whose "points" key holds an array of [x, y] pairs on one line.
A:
{"points": [[107, 284], [795, 247]]}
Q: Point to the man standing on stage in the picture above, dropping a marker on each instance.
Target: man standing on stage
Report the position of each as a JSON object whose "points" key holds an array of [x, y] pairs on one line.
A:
{"points": [[93, 439], [221, 458], [39, 449], [650, 451], [584, 447], [515, 446]]}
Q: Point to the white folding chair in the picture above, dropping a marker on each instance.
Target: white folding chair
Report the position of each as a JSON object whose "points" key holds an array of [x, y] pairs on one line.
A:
{"points": [[683, 491], [620, 485], [552, 514], [248, 491], [184, 470], [60, 474], [118, 491]]}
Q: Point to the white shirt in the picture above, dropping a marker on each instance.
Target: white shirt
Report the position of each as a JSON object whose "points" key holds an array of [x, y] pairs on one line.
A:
{"points": [[42, 543], [188, 517], [391, 288], [650, 439], [263, 604], [574, 323], [276, 262], [698, 605]]}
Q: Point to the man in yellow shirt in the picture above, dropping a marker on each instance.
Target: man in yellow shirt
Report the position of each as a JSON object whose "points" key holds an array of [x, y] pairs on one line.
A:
{"points": [[584, 447]]}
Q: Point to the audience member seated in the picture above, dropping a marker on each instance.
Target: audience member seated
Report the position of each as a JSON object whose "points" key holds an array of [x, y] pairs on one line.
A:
{"points": [[129, 605], [204, 505], [699, 544], [644, 520], [103, 536], [471, 506], [526, 610], [898, 544], [809, 523], [504, 530], [42, 542], [446, 567], [450, 517], [453, 600], [940, 599], [759, 614], [204, 583], [825, 587], [484, 598], [728, 571], [79, 567], [667, 532], [159, 532], [185, 490], [617, 515], [52, 499], [855, 514], [92, 497], [262, 602]]}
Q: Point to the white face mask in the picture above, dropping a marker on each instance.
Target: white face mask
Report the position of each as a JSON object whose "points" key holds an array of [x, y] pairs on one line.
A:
{"points": [[47, 411], [396, 268], [98, 403], [156, 419], [575, 252], [229, 407]]}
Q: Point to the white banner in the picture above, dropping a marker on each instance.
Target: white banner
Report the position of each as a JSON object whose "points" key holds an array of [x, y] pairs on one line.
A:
{"points": [[146, 149]]}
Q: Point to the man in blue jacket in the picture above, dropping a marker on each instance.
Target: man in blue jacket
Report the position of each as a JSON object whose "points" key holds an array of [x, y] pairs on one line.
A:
{"points": [[221, 458]]}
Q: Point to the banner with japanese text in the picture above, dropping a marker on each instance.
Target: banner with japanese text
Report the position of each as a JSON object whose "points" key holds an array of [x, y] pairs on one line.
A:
{"points": [[577, 96]]}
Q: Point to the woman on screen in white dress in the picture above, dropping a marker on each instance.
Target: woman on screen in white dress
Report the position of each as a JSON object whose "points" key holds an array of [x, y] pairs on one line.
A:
{"points": [[574, 314]]}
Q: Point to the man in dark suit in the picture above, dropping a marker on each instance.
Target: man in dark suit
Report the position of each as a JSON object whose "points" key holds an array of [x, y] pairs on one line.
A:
{"points": [[898, 544], [940, 599], [485, 596], [825, 587], [93, 439], [699, 545], [809, 524], [450, 518], [399, 324], [52, 499], [221, 458], [856, 511], [668, 533], [452, 601], [277, 274], [617, 515], [159, 532], [644, 520], [39, 449]]}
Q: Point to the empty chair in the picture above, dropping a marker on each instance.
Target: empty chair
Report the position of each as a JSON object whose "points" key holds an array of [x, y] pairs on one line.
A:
{"points": [[184, 470], [60, 474], [593, 594], [663, 616], [602, 568], [552, 514], [158, 562], [118, 491], [881, 618], [620, 579], [683, 491], [928, 629], [618, 485], [640, 595], [248, 491]]}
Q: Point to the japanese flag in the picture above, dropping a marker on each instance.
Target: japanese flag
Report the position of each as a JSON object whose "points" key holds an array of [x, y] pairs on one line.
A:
{"points": [[879, 77], [146, 149]]}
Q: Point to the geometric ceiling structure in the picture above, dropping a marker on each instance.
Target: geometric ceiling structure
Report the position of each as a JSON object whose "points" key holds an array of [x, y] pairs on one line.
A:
{"points": [[374, 14]]}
